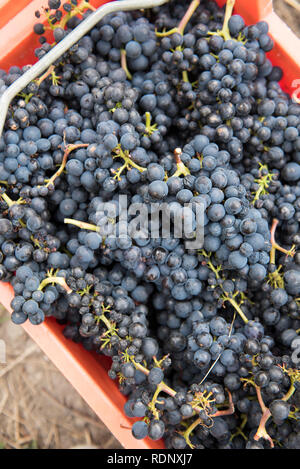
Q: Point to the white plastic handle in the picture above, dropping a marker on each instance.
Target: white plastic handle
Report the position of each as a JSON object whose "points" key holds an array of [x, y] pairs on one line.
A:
{"points": [[74, 36]]}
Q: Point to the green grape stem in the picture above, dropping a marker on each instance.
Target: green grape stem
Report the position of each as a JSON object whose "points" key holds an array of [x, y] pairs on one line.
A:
{"points": [[224, 32], [276, 279], [119, 153], [106, 321], [185, 76], [220, 413], [58, 280], [184, 21], [79, 10], [201, 402], [226, 296], [149, 128], [166, 33], [26, 97], [82, 225], [148, 120], [186, 435], [236, 307], [263, 182], [10, 203], [20, 201], [163, 387], [239, 430], [228, 13]]}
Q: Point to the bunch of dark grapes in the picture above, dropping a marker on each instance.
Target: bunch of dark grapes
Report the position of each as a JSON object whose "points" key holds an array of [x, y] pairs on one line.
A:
{"points": [[176, 107]]}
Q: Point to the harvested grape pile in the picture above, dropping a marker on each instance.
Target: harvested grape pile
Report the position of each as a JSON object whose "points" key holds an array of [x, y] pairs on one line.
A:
{"points": [[176, 106]]}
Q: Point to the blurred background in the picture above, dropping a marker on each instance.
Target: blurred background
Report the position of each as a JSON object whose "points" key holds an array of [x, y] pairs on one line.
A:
{"points": [[39, 409]]}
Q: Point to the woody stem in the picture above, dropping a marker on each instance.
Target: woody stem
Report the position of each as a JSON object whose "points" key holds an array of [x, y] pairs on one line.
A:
{"points": [[58, 280], [68, 150]]}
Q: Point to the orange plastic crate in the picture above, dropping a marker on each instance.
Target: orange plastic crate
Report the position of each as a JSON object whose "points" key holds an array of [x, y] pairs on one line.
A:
{"points": [[86, 371]]}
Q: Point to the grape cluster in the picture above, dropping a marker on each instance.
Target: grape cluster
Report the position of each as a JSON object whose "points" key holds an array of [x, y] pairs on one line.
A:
{"points": [[179, 107]]}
